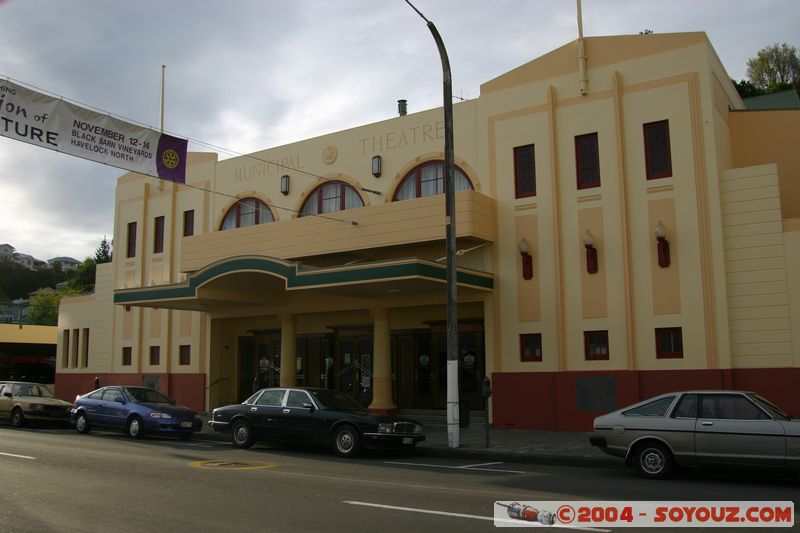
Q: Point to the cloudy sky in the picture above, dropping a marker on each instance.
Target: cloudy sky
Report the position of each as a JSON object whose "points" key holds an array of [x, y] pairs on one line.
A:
{"points": [[245, 75]]}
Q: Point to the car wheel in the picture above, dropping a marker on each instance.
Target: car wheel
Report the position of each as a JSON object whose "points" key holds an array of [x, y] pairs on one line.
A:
{"points": [[242, 434], [346, 441], [654, 460], [82, 423], [17, 418], [135, 428]]}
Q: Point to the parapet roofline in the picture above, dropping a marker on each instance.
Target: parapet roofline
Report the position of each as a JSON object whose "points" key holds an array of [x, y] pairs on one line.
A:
{"points": [[600, 51]]}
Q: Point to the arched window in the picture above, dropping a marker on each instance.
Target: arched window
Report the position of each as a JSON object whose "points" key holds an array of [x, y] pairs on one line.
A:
{"points": [[427, 180], [329, 197], [247, 212]]}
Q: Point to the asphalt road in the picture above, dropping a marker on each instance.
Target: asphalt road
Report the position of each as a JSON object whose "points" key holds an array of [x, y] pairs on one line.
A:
{"points": [[58, 481]]}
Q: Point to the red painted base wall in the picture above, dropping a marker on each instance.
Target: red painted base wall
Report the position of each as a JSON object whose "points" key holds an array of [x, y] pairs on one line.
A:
{"points": [[548, 400], [186, 389]]}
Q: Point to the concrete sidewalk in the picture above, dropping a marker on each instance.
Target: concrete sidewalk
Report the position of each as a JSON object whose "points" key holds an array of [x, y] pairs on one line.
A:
{"points": [[511, 445]]}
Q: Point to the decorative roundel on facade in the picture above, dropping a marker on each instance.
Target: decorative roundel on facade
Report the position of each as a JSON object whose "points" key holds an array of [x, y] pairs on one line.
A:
{"points": [[329, 154], [170, 158]]}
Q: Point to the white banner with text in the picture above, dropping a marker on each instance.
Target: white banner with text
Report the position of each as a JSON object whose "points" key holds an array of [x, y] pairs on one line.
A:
{"points": [[42, 120]]}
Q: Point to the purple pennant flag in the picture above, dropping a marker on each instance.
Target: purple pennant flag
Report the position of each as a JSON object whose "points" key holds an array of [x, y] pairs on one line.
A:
{"points": [[171, 158]]}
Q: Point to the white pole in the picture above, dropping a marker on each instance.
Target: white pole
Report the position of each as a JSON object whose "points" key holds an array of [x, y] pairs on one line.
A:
{"points": [[583, 81], [163, 68]]}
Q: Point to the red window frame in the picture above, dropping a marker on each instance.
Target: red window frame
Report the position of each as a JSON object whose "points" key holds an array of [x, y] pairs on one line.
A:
{"points": [[343, 186], [524, 175], [155, 355], [587, 161], [185, 356], [127, 355], [595, 338], [158, 237], [416, 175], [657, 153], [131, 245], [238, 210], [528, 344], [188, 223], [672, 337]]}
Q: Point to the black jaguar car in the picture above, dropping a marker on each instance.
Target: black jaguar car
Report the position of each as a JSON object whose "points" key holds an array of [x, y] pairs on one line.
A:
{"points": [[313, 416]]}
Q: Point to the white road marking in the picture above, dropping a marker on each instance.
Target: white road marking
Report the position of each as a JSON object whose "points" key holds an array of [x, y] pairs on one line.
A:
{"points": [[464, 467], [424, 511], [18, 456], [462, 515]]}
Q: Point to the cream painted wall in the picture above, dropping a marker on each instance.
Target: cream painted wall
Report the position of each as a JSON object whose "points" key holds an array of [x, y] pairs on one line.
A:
{"points": [[632, 80]]}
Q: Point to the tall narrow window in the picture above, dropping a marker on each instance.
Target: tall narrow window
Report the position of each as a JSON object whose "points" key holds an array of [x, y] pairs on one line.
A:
{"points": [[524, 171], [158, 237], [131, 240], [656, 150], [587, 161], [669, 343], [530, 347], [85, 348], [188, 223], [76, 340], [127, 355], [595, 345], [155, 355], [65, 348], [185, 356]]}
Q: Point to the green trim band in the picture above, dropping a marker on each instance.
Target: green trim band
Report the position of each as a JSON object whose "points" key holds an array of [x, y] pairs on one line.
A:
{"points": [[299, 279]]}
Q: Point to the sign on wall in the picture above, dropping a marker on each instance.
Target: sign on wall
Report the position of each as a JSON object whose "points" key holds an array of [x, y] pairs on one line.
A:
{"points": [[42, 120]]}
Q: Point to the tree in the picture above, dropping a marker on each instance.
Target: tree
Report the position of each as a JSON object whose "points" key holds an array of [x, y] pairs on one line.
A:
{"points": [[82, 279], [747, 89], [43, 307], [103, 253], [775, 68]]}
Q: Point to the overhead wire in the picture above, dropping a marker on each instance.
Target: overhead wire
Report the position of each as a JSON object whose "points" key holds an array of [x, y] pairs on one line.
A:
{"points": [[207, 144]]}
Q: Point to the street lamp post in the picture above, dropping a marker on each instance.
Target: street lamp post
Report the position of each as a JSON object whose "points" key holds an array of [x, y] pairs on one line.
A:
{"points": [[450, 214]]}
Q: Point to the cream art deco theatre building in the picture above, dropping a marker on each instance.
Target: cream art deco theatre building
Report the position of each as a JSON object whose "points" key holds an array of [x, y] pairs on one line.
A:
{"points": [[635, 234]]}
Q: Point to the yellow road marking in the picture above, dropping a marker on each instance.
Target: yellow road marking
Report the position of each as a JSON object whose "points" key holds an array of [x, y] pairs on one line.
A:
{"points": [[230, 465]]}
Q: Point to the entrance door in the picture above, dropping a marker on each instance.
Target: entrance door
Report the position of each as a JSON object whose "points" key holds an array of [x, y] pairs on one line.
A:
{"points": [[354, 367], [259, 364], [268, 350], [420, 368]]}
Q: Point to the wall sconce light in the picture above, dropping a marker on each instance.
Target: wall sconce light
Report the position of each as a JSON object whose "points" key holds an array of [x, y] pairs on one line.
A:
{"points": [[285, 184], [527, 259], [591, 252], [662, 245], [376, 166]]}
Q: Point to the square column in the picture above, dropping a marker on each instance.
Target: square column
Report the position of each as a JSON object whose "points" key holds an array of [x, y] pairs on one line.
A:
{"points": [[381, 362]]}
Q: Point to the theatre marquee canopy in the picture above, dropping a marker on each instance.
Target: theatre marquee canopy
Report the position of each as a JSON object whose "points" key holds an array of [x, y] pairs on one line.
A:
{"points": [[260, 280]]}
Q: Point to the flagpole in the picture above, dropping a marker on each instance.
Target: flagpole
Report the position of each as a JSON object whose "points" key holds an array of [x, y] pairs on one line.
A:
{"points": [[163, 68]]}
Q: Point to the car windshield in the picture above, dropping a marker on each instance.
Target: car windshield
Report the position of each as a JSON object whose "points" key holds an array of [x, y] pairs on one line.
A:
{"points": [[329, 399], [145, 395], [32, 389], [769, 407]]}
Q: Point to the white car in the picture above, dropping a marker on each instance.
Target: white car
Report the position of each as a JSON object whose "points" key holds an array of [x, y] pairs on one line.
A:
{"points": [[21, 402], [713, 427]]}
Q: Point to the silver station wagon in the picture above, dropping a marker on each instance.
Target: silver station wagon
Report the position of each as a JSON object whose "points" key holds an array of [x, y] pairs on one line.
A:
{"points": [[700, 428]]}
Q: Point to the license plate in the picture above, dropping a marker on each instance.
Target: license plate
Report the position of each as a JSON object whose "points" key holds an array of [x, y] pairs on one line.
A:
{"points": [[186, 424], [408, 440]]}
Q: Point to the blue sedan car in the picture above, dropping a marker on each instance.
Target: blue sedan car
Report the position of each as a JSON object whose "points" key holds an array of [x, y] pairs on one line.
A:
{"points": [[136, 410]]}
